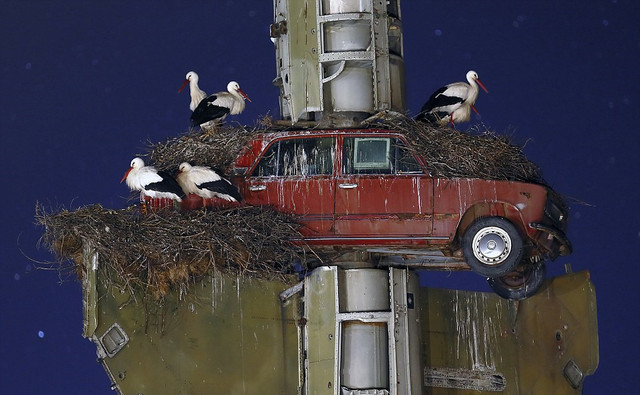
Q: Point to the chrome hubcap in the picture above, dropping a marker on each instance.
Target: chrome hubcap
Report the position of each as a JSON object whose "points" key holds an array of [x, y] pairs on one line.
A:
{"points": [[491, 245]]}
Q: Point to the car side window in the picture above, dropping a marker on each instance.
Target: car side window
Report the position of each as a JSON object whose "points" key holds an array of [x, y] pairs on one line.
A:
{"points": [[297, 157], [377, 155], [405, 160]]}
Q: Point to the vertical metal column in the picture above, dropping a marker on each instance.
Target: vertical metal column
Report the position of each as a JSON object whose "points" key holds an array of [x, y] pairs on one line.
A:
{"points": [[364, 315], [338, 61], [360, 57], [361, 332]]}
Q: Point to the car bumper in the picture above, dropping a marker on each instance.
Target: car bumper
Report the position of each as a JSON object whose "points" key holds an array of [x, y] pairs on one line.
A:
{"points": [[561, 245]]}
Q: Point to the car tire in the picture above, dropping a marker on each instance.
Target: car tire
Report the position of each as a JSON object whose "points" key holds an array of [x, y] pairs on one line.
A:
{"points": [[521, 283], [492, 246]]}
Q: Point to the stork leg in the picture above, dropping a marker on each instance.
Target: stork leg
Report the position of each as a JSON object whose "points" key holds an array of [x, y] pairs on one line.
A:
{"points": [[474, 109], [451, 120]]}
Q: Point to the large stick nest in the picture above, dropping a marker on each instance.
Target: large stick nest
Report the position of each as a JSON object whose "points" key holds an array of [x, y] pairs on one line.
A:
{"points": [[449, 153], [166, 249], [217, 148]]}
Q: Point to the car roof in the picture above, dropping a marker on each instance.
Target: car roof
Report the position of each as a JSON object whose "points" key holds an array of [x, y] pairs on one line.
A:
{"points": [[323, 132]]}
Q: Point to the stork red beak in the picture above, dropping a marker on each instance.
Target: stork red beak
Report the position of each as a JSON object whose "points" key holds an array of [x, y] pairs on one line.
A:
{"points": [[481, 85], [474, 109], [183, 85], [126, 174], [243, 94]]}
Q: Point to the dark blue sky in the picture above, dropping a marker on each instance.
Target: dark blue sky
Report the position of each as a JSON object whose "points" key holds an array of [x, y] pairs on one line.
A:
{"points": [[84, 85]]}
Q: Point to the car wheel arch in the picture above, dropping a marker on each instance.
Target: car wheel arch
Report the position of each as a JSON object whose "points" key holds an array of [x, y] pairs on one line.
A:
{"points": [[489, 209]]}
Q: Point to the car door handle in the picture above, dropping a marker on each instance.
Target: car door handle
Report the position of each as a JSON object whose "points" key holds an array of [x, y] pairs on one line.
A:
{"points": [[347, 186], [255, 188]]}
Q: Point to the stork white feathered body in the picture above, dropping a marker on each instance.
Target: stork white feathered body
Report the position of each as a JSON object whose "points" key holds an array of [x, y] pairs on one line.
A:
{"points": [[215, 108], [151, 182], [196, 93], [206, 183], [460, 114], [452, 103]]}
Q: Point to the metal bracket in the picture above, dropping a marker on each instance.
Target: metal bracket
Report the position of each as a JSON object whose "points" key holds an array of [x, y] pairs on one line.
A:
{"points": [[114, 339]]}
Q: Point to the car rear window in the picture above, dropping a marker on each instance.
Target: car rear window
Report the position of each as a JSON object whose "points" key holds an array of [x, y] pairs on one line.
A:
{"points": [[377, 155]]}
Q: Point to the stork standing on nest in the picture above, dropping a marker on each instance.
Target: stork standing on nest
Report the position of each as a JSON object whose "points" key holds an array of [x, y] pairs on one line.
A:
{"points": [[452, 103], [214, 108], [206, 183], [151, 182], [196, 93]]}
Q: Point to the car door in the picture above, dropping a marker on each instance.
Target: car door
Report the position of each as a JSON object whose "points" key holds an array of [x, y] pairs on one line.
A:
{"points": [[296, 176], [382, 192]]}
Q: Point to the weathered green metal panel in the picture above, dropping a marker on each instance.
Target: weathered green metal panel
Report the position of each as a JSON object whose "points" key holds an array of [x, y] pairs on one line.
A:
{"points": [[89, 291], [227, 335], [478, 339], [299, 71], [321, 306], [557, 325]]}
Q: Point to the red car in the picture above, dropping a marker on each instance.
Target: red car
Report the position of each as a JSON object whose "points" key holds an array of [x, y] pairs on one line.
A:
{"points": [[365, 190]]}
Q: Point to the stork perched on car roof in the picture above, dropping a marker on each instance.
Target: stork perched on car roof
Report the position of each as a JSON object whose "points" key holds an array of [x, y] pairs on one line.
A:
{"points": [[212, 109]]}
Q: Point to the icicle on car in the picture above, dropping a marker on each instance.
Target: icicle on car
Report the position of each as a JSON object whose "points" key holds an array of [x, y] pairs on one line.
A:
{"points": [[151, 182], [206, 183], [452, 103]]}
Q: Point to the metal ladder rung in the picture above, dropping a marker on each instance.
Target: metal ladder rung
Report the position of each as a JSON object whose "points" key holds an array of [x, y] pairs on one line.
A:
{"points": [[369, 316]]}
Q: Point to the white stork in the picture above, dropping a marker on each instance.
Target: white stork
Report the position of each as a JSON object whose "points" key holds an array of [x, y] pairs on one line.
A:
{"points": [[151, 182], [196, 93], [214, 108], [452, 103], [206, 183]]}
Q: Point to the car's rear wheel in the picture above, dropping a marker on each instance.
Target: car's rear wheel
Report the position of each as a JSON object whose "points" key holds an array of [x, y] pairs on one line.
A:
{"points": [[520, 284], [492, 246]]}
